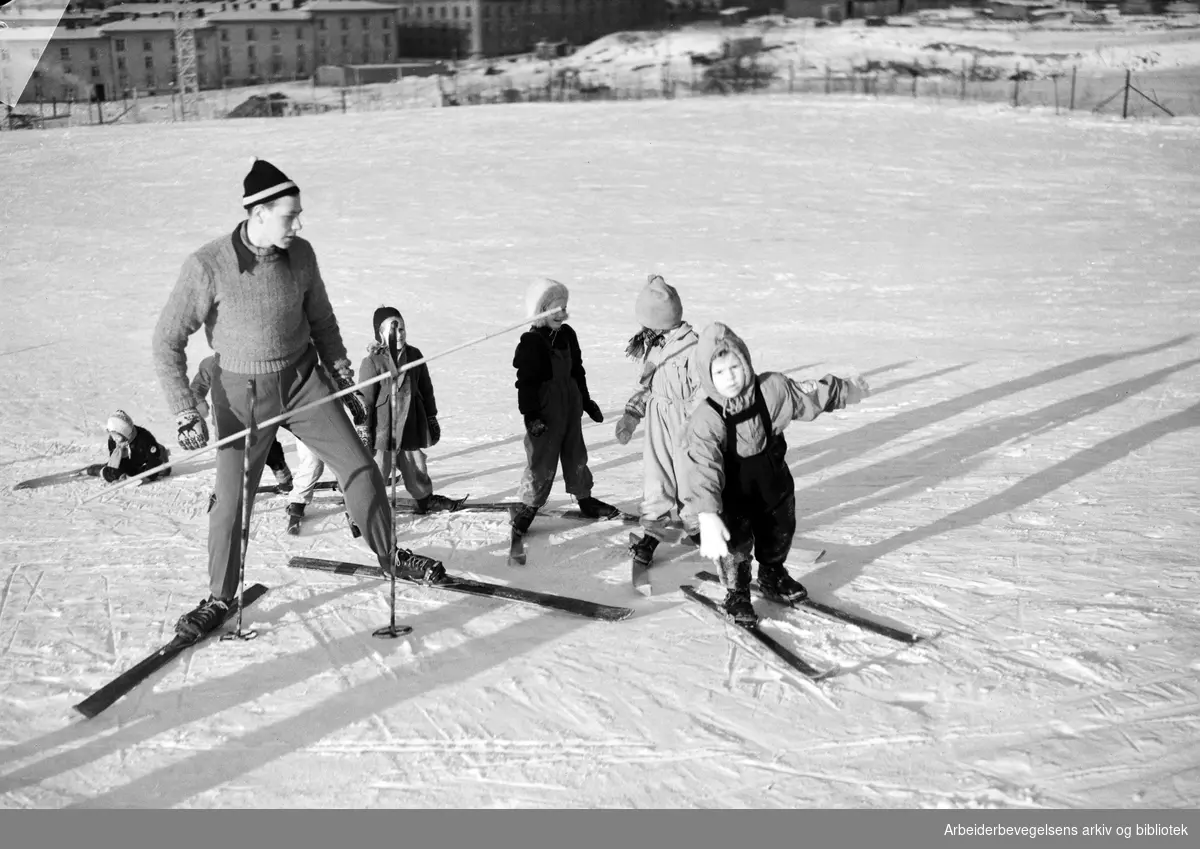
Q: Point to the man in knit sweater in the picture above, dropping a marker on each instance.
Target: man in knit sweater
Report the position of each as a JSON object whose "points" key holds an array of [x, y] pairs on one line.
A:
{"points": [[259, 296]]}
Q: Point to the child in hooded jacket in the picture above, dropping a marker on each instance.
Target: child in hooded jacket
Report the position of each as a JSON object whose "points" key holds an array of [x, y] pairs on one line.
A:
{"points": [[131, 450], [735, 474], [552, 396], [416, 426], [668, 390]]}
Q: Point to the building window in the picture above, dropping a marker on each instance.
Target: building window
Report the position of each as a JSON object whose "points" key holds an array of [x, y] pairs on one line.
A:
{"points": [[120, 45], [252, 68], [251, 52], [249, 33], [121, 63], [444, 15], [467, 12], [299, 32], [455, 15], [68, 70], [366, 23], [95, 72], [224, 35], [274, 33], [345, 42], [149, 63], [92, 54], [321, 24], [64, 53], [345, 24], [150, 81], [147, 46], [225, 56], [387, 41]]}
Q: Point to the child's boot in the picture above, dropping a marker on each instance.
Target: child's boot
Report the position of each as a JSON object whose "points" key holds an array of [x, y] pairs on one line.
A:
{"points": [[775, 582], [295, 512], [735, 575], [594, 508], [522, 517], [283, 478], [643, 550]]}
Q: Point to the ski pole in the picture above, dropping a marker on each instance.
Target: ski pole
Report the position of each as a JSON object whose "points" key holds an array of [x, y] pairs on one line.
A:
{"points": [[247, 511], [212, 446], [391, 631]]}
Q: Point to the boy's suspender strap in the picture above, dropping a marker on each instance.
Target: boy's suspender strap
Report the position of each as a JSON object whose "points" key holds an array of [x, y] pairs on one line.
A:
{"points": [[758, 408]]}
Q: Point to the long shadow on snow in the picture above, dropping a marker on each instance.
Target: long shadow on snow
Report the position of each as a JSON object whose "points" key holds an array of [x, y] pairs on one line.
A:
{"points": [[930, 465], [806, 458], [237, 755]]}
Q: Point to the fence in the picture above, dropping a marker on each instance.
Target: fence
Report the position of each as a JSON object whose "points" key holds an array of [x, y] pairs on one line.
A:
{"points": [[1152, 93]]}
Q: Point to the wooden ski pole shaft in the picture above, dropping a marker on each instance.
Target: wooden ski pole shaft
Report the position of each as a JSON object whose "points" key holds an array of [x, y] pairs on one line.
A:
{"points": [[212, 446]]}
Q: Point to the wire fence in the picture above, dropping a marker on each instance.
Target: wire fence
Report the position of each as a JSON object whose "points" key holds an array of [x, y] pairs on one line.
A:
{"points": [[1142, 94]]}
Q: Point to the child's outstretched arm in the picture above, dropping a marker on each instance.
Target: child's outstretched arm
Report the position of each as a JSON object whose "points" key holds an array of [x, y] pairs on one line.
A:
{"points": [[635, 407], [804, 400]]}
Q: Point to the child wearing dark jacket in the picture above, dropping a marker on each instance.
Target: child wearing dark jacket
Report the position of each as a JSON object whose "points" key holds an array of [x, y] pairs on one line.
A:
{"points": [[416, 426], [735, 476], [552, 396], [131, 450]]}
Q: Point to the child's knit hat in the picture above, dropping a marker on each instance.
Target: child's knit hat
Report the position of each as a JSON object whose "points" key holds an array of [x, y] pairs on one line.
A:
{"points": [[539, 295], [658, 306], [119, 422], [381, 315]]}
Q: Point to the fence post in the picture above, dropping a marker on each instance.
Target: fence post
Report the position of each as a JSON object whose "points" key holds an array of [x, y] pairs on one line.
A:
{"points": [[1055, 78], [914, 76], [963, 94], [1017, 86], [1074, 70], [828, 79], [343, 101], [1125, 106], [791, 76]]}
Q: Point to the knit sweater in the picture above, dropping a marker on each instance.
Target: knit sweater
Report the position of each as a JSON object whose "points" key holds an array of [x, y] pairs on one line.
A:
{"points": [[260, 309]]}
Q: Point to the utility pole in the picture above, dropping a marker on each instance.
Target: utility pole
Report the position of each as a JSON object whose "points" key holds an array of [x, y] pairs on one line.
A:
{"points": [[186, 79]]}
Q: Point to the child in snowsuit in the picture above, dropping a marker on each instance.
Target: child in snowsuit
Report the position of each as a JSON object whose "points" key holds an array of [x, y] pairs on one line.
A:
{"points": [[667, 392], [416, 426], [735, 475], [276, 462], [552, 395], [131, 450]]}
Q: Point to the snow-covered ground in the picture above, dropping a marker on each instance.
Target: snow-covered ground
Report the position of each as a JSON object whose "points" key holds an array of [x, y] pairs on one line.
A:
{"points": [[1020, 290]]}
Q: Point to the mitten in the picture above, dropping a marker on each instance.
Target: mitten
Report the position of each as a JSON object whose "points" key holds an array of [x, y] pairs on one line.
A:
{"points": [[111, 475], [626, 425], [535, 426], [353, 402], [856, 389], [435, 431], [593, 411], [713, 537], [365, 436], [193, 432]]}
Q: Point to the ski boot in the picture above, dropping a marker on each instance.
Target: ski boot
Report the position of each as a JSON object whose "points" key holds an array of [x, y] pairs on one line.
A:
{"points": [[594, 508], [283, 479], [435, 504], [777, 584], [295, 512], [418, 567], [642, 549], [209, 614], [735, 576], [522, 517]]}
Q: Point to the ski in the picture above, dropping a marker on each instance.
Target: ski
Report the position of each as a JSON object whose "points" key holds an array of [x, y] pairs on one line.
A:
{"points": [[516, 548], [565, 604], [639, 571], [131, 678], [829, 610], [773, 650], [92, 471]]}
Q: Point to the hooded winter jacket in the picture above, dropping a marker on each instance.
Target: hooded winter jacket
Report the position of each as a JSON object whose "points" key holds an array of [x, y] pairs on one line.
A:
{"points": [[703, 474], [532, 357]]}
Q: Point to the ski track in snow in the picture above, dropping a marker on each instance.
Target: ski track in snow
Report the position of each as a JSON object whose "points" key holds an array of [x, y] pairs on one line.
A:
{"points": [[1020, 488]]}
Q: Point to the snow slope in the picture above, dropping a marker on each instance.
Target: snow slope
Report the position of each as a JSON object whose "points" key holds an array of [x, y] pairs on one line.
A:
{"points": [[1020, 290]]}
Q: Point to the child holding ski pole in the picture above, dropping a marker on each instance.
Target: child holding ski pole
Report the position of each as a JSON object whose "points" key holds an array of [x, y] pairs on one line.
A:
{"points": [[735, 475], [416, 427]]}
